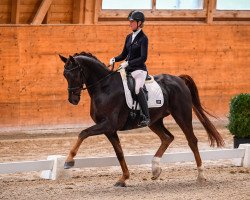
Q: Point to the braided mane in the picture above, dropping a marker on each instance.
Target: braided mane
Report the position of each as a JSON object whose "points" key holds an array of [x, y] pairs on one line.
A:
{"points": [[87, 54], [90, 55]]}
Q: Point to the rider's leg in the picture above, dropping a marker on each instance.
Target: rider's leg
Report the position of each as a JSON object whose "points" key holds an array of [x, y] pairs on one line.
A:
{"points": [[140, 76], [144, 107]]}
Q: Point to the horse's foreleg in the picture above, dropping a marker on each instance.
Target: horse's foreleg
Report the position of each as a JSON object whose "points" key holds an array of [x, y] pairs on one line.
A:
{"points": [[93, 130], [166, 138], [70, 159], [114, 139]]}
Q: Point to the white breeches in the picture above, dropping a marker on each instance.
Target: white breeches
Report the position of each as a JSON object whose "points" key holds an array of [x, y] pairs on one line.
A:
{"points": [[140, 77]]}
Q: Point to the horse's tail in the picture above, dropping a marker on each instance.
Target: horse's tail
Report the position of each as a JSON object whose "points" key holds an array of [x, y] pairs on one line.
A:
{"points": [[213, 134]]}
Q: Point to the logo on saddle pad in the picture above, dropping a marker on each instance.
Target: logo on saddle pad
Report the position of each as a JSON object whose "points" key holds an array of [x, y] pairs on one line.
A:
{"points": [[155, 95]]}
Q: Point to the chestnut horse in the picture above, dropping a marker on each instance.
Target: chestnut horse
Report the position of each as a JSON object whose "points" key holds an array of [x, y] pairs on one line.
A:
{"points": [[111, 113]]}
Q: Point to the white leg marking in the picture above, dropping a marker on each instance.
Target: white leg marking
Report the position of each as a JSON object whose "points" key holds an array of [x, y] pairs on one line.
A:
{"points": [[201, 177], [156, 169]]}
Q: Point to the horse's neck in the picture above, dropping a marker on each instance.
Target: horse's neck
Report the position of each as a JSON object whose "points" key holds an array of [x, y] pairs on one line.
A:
{"points": [[94, 71]]}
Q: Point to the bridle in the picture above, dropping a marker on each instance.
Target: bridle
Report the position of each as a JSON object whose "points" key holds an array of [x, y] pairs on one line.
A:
{"points": [[72, 90]]}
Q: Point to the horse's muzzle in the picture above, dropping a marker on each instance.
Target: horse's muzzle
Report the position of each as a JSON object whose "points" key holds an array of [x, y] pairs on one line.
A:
{"points": [[74, 99]]}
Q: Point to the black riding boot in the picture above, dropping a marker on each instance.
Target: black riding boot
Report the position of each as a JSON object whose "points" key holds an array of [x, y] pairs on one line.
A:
{"points": [[144, 107]]}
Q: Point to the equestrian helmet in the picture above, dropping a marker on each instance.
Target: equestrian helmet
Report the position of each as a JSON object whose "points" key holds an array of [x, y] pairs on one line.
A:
{"points": [[136, 16]]}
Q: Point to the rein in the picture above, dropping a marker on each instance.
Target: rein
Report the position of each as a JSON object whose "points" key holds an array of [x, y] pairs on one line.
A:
{"points": [[96, 83]]}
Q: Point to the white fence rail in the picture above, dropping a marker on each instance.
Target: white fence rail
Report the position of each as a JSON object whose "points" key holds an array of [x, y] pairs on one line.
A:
{"points": [[26, 166], [53, 167], [167, 158]]}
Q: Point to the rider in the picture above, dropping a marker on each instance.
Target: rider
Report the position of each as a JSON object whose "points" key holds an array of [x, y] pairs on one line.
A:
{"points": [[135, 54]]}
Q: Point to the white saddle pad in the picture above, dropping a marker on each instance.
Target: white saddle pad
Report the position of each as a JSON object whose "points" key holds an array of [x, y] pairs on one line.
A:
{"points": [[155, 95]]}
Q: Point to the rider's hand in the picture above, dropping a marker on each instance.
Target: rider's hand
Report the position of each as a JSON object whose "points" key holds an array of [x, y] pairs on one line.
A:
{"points": [[112, 61], [124, 65]]}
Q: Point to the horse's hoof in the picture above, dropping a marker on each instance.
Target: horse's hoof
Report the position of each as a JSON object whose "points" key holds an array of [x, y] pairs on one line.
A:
{"points": [[156, 173], [201, 180], [120, 184], [68, 165]]}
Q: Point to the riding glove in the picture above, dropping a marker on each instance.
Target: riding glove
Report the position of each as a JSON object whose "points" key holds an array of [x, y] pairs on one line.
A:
{"points": [[124, 64], [112, 61]]}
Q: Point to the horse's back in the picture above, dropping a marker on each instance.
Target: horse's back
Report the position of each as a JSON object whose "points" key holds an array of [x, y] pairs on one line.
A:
{"points": [[173, 87], [170, 81]]}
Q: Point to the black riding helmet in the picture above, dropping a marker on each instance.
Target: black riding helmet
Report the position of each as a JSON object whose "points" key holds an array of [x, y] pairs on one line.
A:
{"points": [[136, 16]]}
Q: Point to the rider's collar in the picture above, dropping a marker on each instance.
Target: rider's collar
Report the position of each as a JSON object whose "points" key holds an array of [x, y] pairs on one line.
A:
{"points": [[135, 32]]}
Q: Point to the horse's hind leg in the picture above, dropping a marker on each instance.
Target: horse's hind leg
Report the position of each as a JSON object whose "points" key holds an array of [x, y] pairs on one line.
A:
{"points": [[114, 139], [166, 138], [184, 120]]}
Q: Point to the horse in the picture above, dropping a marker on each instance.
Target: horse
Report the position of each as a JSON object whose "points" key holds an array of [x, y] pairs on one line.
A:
{"points": [[110, 112]]}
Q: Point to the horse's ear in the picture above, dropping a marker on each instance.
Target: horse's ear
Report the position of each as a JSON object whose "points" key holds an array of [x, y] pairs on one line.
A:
{"points": [[63, 58], [72, 59]]}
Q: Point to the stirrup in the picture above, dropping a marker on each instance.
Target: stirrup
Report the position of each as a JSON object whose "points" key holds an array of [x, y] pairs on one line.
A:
{"points": [[145, 121]]}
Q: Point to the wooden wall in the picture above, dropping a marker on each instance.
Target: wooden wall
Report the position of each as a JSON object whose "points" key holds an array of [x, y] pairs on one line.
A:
{"points": [[33, 91], [90, 12], [60, 12]]}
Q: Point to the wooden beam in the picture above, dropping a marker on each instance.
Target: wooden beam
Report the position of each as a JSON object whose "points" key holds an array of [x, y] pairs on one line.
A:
{"points": [[232, 14], [211, 6], [158, 14], [47, 16], [41, 12], [78, 11], [15, 11]]}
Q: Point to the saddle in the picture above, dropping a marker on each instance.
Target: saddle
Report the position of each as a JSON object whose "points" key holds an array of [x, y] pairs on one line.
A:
{"points": [[155, 95], [155, 98]]}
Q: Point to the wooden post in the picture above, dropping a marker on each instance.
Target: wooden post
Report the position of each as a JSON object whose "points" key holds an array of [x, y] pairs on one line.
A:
{"points": [[153, 5], [90, 11], [78, 11], [41, 12], [15, 11], [211, 6]]}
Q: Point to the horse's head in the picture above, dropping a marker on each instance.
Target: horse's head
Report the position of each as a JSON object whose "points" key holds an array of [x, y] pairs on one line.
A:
{"points": [[73, 73]]}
